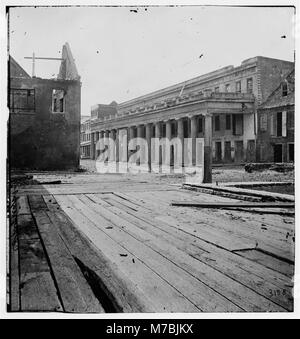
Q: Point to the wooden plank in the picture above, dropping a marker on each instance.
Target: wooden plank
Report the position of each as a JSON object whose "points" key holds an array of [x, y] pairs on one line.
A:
{"points": [[198, 292], [242, 269], [228, 228], [269, 261], [76, 294], [213, 217], [205, 297], [235, 292], [37, 288], [54, 182], [274, 220], [146, 222], [256, 279], [121, 292], [242, 191], [125, 201], [156, 292], [22, 205], [14, 281], [198, 227], [186, 196], [38, 293], [27, 228], [86, 189], [267, 232], [231, 231], [276, 223], [273, 211], [233, 204], [180, 239], [37, 203]]}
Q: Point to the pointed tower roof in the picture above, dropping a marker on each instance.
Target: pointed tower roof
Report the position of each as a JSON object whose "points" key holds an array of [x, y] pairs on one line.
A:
{"points": [[68, 70]]}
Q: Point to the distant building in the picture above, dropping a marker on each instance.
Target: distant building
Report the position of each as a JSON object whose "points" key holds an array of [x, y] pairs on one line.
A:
{"points": [[275, 140], [85, 137], [44, 119], [101, 111]]}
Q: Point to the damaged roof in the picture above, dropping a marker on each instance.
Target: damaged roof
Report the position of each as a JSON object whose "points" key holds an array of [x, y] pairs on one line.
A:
{"points": [[67, 69], [15, 70], [276, 99]]}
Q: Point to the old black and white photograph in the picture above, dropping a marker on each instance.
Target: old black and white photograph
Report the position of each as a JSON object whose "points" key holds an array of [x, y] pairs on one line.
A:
{"points": [[149, 160]]}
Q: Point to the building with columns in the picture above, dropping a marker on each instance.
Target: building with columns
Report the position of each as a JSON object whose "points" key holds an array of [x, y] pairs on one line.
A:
{"points": [[220, 107]]}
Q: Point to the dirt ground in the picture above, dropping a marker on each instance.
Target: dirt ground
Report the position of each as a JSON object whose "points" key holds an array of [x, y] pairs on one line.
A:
{"points": [[238, 174], [220, 174]]}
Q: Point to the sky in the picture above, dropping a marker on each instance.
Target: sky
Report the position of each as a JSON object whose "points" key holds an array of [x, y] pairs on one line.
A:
{"points": [[125, 52]]}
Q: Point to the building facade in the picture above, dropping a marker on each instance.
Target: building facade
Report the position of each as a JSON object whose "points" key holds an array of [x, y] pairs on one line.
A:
{"points": [[44, 119], [220, 107], [85, 137], [275, 140]]}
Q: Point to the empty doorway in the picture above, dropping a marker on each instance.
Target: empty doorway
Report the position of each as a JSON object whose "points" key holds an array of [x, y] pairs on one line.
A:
{"points": [[291, 151], [239, 151], [278, 153], [227, 151], [251, 151], [218, 151]]}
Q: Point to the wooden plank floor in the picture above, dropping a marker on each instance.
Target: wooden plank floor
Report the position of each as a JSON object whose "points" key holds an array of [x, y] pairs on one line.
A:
{"points": [[122, 234]]}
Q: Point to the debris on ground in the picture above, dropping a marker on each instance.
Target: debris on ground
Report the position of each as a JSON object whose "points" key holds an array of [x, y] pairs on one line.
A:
{"points": [[278, 167]]}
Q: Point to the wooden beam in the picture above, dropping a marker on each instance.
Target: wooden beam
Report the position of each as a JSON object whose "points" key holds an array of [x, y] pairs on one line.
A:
{"points": [[14, 285], [37, 287], [76, 294], [233, 204], [42, 58]]}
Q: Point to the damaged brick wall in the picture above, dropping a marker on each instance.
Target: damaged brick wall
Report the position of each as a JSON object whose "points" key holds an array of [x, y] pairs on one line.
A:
{"points": [[41, 139], [271, 73]]}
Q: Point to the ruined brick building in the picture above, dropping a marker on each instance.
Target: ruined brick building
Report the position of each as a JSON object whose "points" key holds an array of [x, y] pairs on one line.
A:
{"points": [[226, 101], [44, 119]]}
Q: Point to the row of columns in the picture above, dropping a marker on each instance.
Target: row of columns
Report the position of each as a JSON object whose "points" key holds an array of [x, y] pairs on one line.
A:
{"points": [[113, 134]]}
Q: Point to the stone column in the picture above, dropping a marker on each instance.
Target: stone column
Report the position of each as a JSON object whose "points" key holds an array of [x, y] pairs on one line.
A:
{"points": [[207, 172], [112, 145], [168, 140], [131, 133], [93, 146], [106, 143], [140, 135], [148, 140], [96, 148], [193, 137], [130, 137], [101, 142], [158, 150], [180, 136], [117, 155]]}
